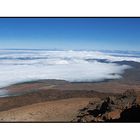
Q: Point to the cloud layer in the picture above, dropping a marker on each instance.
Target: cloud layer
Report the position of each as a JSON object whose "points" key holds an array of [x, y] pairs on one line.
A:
{"points": [[74, 66]]}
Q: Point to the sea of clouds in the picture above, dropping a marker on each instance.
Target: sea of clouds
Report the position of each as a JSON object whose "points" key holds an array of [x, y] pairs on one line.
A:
{"points": [[74, 66]]}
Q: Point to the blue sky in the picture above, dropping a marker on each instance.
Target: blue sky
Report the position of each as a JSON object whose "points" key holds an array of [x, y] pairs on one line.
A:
{"points": [[70, 33]]}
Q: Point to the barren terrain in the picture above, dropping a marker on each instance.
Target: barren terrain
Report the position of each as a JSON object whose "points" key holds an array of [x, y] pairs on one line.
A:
{"points": [[59, 100], [49, 111]]}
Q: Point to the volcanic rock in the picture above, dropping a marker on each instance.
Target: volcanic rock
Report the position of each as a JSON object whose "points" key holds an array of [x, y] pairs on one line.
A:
{"points": [[120, 108]]}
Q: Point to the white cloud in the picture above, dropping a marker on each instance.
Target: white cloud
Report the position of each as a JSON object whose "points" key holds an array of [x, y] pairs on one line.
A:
{"points": [[72, 72], [72, 66]]}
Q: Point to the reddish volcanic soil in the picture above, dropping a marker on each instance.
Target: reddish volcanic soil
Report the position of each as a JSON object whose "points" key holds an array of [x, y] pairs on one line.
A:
{"points": [[50, 111]]}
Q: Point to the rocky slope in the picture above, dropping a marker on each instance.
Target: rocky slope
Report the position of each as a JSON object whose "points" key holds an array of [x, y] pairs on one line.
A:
{"points": [[119, 108]]}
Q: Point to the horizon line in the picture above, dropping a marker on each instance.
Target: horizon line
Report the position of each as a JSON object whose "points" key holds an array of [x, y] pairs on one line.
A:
{"points": [[55, 49]]}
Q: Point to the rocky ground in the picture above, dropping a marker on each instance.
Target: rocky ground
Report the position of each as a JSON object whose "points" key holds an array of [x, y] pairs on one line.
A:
{"points": [[119, 108], [51, 105]]}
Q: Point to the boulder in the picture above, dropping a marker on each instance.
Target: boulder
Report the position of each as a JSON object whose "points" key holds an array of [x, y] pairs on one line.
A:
{"points": [[120, 108]]}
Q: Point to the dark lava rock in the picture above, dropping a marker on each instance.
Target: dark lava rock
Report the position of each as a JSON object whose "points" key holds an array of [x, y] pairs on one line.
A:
{"points": [[119, 108]]}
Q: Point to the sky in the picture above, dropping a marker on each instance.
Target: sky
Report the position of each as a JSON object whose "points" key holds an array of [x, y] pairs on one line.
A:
{"points": [[70, 33]]}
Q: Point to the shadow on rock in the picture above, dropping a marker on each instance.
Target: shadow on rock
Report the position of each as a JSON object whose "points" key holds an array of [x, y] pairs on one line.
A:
{"points": [[129, 115], [119, 108]]}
